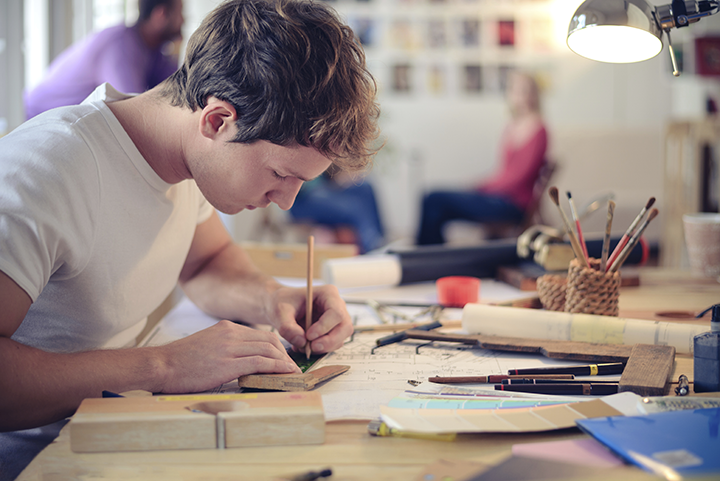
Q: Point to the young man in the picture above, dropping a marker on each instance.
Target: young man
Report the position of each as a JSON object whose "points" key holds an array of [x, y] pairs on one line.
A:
{"points": [[132, 59], [105, 206]]}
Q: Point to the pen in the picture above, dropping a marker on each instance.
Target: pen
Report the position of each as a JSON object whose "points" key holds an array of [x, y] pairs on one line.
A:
{"points": [[589, 370], [402, 335], [495, 378], [569, 389], [379, 428]]}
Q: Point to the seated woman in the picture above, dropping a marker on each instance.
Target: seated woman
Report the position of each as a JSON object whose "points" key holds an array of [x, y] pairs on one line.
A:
{"points": [[506, 195], [332, 200]]}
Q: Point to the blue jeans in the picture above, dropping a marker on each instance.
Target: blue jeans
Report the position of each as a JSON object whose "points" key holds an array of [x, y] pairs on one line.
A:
{"points": [[441, 207], [353, 206]]}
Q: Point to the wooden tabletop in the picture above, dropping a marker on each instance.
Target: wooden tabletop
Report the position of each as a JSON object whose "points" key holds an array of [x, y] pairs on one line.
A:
{"points": [[351, 452]]}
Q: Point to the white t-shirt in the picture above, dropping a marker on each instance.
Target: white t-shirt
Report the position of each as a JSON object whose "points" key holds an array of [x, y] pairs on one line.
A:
{"points": [[94, 236]]}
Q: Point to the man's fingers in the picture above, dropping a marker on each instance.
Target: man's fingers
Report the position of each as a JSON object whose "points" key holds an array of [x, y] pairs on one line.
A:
{"points": [[264, 365]]}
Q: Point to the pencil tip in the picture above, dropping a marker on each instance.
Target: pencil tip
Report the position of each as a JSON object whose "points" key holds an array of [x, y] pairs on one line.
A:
{"points": [[650, 202]]}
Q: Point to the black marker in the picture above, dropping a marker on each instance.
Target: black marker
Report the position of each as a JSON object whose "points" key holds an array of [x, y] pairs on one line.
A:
{"points": [[589, 370], [563, 388]]}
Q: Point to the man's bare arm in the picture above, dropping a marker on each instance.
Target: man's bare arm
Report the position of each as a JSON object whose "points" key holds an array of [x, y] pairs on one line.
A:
{"points": [[40, 387]]}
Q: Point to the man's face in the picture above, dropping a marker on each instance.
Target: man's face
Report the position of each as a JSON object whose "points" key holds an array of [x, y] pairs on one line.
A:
{"points": [[235, 176]]}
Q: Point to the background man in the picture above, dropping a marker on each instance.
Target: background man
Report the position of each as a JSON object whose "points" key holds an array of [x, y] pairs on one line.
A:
{"points": [[132, 59]]}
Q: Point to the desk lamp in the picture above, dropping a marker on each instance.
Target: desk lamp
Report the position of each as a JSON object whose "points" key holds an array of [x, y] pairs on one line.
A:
{"points": [[624, 31]]}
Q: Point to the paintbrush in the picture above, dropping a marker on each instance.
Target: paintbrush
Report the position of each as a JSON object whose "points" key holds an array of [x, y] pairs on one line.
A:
{"points": [[573, 212], [309, 300], [606, 239], [632, 242], [555, 197], [628, 233]]}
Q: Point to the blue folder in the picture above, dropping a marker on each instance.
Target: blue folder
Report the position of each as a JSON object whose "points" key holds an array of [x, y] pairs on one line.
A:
{"points": [[671, 444]]}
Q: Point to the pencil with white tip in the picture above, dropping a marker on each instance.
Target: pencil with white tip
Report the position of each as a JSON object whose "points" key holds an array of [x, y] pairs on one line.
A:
{"points": [[581, 238], [555, 197]]}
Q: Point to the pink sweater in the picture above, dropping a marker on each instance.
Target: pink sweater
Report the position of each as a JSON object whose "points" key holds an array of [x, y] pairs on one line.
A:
{"points": [[519, 170]]}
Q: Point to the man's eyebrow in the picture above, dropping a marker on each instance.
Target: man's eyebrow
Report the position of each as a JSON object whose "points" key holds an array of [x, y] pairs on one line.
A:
{"points": [[295, 174]]}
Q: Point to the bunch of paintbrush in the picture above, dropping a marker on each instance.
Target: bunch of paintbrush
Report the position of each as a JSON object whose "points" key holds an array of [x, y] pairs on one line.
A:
{"points": [[627, 242], [631, 237]]}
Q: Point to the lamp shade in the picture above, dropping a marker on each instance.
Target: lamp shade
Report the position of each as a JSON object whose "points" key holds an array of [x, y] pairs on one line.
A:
{"points": [[617, 31]]}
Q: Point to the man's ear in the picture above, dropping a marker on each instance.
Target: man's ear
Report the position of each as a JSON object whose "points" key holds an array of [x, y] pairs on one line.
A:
{"points": [[217, 118]]}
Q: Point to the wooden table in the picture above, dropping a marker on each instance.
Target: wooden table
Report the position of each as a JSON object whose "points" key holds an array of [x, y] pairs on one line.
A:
{"points": [[349, 450]]}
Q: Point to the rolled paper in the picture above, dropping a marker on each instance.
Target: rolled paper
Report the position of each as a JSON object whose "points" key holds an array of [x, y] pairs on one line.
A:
{"points": [[362, 271], [565, 326]]}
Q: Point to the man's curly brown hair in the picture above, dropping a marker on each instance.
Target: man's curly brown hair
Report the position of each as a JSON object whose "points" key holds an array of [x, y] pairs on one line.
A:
{"points": [[294, 73]]}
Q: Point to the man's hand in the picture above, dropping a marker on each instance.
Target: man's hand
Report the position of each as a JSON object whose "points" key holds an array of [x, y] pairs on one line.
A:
{"points": [[331, 321], [219, 354]]}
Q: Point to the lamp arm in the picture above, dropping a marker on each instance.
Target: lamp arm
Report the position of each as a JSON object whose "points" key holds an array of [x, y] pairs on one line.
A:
{"points": [[681, 13]]}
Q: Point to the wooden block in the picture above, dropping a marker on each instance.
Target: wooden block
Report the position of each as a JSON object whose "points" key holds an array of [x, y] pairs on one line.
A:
{"points": [[271, 427], [291, 382], [648, 370], [196, 422], [290, 260]]}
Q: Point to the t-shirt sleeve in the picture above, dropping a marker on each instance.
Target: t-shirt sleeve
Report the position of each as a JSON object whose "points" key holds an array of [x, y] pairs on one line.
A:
{"points": [[47, 203]]}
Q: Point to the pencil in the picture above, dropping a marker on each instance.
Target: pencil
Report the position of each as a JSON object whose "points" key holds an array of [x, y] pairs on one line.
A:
{"points": [[606, 239], [632, 242], [587, 370], [628, 233], [573, 212], [553, 192], [494, 378], [309, 300], [567, 389]]}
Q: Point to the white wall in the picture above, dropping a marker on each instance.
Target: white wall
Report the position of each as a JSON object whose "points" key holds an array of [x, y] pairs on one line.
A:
{"points": [[606, 123]]}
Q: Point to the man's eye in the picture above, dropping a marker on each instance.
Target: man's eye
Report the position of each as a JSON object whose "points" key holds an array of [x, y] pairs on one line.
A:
{"points": [[278, 176]]}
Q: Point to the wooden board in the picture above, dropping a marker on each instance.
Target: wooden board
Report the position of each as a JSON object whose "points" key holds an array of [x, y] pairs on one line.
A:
{"points": [[646, 373], [291, 382], [290, 260], [571, 350], [648, 370], [204, 421]]}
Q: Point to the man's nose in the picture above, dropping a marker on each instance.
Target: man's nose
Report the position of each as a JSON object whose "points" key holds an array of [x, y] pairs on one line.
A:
{"points": [[285, 198]]}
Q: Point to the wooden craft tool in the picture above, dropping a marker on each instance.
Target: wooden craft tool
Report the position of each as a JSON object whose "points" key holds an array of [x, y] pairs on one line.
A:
{"points": [[309, 299], [291, 382], [204, 421], [647, 367]]}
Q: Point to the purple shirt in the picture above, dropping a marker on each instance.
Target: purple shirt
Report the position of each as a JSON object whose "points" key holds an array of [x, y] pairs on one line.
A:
{"points": [[115, 55]]}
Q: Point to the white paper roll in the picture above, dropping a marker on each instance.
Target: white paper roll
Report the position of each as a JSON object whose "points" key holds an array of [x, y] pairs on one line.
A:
{"points": [[362, 271], [564, 326]]}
